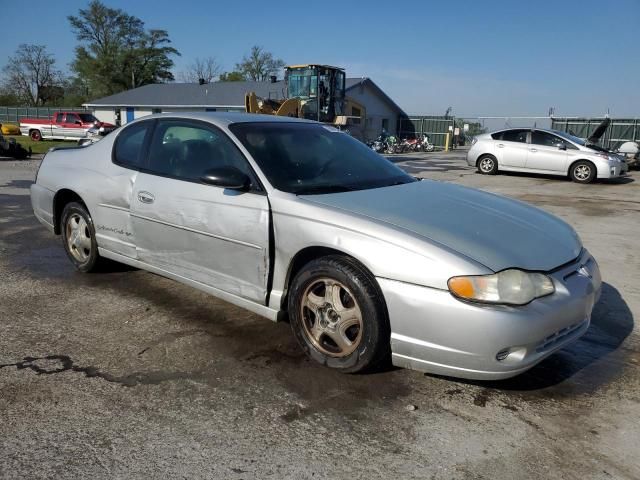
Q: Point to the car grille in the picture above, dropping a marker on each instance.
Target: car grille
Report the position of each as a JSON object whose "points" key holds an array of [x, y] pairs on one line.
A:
{"points": [[559, 336]]}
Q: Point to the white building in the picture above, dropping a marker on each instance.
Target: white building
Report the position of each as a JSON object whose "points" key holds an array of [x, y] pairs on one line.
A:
{"points": [[381, 111]]}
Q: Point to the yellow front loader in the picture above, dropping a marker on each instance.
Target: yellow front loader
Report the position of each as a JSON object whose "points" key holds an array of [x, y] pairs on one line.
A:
{"points": [[315, 92]]}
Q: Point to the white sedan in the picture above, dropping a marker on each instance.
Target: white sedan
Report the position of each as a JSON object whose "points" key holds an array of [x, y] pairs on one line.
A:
{"points": [[543, 151]]}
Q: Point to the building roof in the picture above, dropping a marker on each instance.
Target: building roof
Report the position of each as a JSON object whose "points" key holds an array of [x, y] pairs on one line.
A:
{"points": [[214, 95], [217, 94]]}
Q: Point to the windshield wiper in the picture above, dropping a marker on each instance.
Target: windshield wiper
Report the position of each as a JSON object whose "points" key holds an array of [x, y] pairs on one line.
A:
{"points": [[319, 189]]}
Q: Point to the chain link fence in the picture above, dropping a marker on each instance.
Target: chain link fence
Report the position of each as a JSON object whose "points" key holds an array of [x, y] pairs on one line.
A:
{"points": [[14, 114], [620, 129]]}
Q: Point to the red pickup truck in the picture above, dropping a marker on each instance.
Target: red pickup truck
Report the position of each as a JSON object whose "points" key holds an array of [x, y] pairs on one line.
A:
{"points": [[62, 126]]}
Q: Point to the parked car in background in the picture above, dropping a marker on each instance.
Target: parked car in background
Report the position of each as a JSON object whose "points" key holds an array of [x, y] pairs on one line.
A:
{"points": [[543, 151], [9, 129], [293, 218], [62, 126]]}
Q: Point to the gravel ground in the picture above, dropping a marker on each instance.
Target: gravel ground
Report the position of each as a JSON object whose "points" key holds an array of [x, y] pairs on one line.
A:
{"points": [[125, 374]]}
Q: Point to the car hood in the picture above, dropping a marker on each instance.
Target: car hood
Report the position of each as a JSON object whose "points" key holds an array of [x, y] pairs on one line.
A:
{"points": [[495, 231], [599, 131]]}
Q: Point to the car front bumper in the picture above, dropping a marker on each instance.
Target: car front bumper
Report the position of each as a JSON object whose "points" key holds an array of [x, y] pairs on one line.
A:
{"points": [[613, 170], [436, 333]]}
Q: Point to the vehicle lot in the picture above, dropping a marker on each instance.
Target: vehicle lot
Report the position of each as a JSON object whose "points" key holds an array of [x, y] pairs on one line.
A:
{"points": [[126, 374]]}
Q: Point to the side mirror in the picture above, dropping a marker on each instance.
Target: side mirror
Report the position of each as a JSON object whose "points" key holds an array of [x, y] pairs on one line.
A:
{"points": [[78, 122], [227, 177], [562, 146]]}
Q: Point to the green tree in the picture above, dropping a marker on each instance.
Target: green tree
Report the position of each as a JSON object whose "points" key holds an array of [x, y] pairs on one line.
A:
{"points": [[259, 65], [234, 76], [116, 52], [31, 76]]}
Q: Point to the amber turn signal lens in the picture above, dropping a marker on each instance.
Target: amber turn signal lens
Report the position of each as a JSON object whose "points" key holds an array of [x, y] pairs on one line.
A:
{"points": [[462, 287]]}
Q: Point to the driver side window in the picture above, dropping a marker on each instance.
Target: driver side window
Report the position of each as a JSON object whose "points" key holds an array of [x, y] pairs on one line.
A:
{"points": [[545, 139], [186, 150]]}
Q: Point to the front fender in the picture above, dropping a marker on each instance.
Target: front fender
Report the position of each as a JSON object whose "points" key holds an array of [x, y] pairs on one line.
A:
{"points": [[386, 251]]}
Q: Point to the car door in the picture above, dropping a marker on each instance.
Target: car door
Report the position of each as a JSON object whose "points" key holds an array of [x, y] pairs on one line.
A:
{"points": [[73, 126], [512, 148], [57, 126], [547, 152], [216, 236]]}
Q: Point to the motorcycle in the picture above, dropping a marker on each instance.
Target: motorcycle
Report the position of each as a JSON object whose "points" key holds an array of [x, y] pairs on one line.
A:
{"points": [[425, 145], [378, 145], [410, 145]]}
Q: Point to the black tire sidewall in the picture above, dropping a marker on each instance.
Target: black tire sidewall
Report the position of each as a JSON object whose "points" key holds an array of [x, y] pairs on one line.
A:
{"points": [[592, 176], [69, 210], [375, 342]]}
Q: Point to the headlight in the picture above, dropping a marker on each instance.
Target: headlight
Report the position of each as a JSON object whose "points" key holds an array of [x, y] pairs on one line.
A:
{"points": [[510, 287]]}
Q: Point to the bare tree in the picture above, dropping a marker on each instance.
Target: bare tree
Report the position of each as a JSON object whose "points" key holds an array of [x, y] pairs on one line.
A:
{"points": [[205, 69], [31, 75], [259, 65]]}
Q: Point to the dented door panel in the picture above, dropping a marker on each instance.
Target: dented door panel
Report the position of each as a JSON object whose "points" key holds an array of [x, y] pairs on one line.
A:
{"points": [[215, 236]]}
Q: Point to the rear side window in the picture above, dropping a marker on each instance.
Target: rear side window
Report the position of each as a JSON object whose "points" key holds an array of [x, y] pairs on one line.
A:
{"points": [[519, 136], [129, 149]]}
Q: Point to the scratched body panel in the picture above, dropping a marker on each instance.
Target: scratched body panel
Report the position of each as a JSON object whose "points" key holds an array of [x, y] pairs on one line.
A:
{"points": [[208, 234]]}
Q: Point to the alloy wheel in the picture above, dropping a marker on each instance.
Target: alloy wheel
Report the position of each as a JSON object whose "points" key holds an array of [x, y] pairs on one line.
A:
{"points": [[582, 172], [486, 165], [332, 319], [78, 237]]}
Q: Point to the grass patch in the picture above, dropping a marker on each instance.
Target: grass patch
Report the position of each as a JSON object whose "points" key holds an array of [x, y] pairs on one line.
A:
{"points": [[42, 146]]}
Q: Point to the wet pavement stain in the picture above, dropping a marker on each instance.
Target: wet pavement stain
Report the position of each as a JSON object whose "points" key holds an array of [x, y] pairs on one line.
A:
{"points": [[55, 364]]}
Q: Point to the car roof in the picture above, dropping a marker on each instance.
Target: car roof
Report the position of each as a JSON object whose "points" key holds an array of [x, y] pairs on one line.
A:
{"points": [[223, 119], [548, 130]]}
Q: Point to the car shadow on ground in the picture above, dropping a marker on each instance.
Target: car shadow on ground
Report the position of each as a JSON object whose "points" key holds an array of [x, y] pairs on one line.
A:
{"points": [[560, 178], [611, 323]]}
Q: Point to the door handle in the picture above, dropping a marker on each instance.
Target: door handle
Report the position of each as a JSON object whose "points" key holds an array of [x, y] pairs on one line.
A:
{"points": [[500, 145], [146, 197], [533, 150]]}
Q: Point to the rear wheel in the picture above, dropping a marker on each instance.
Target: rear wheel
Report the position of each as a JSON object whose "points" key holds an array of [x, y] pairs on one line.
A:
{"points": [[337, 315], [583, 172], [79, 237], [487, 165], [35, 135]]}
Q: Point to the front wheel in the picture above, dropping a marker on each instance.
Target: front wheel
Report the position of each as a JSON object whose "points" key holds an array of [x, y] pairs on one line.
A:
{"points": [[337, 315], [583, 172], [79, 237]]}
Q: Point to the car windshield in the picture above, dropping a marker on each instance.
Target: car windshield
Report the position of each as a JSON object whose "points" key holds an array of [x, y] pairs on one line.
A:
{"points": [[87, 117], [570, 137], [311, 158]]}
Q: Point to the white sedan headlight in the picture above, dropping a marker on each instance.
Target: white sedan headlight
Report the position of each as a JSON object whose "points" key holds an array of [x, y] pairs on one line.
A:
{"points": [[509, 287]]}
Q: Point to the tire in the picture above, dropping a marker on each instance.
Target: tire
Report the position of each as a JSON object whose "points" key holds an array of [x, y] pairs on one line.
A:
{"points": [[338, 315], [583, 171], [81, 247], [487, 165], [35, 135]]}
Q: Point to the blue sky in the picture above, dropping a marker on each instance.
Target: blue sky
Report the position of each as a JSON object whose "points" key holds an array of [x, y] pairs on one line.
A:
{"points": [[481, 58]]}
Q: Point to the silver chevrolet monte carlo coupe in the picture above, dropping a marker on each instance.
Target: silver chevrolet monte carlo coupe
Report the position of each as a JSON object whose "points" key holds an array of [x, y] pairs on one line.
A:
{"points": [[292, 218]]}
